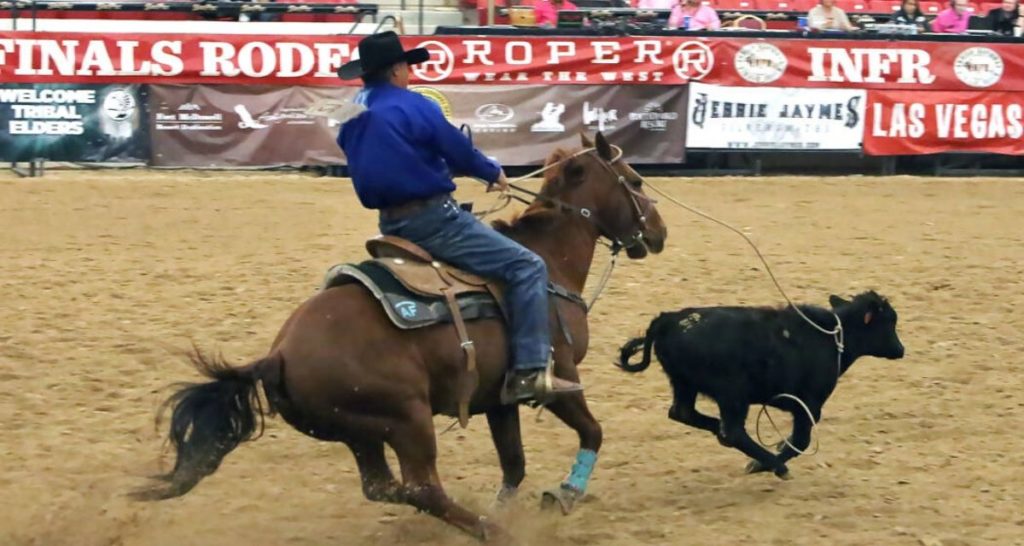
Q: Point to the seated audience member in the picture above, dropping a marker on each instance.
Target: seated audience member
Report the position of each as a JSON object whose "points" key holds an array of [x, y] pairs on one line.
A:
{"points": [[701, 17], [826, 16], [910, 14], [952, 20], [656, 4], [546, 11], [1006, 19]]}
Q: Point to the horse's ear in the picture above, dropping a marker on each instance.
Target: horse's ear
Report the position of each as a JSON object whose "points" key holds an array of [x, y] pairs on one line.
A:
{"points": [[603, 148], [585, 140]]}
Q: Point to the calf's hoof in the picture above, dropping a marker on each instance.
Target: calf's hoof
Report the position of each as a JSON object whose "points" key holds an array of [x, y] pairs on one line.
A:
{"points": [[505, 495], [563, 497], [755, 466]]}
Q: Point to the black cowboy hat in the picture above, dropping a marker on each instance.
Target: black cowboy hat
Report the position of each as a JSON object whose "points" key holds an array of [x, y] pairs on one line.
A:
{"points": [[378, 51]]}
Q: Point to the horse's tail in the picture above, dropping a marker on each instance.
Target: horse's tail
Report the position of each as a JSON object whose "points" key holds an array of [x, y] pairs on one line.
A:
{"points": [[209, 420], [634, 345]]}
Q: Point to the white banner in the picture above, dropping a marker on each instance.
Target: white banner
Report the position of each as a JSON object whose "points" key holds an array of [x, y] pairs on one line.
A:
{"points": [[774, 118]]}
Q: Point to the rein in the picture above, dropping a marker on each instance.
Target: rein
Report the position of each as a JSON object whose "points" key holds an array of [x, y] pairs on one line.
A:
{"points": [[617, 244]]}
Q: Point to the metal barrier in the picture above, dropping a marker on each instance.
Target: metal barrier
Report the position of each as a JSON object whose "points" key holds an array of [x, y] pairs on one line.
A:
{"points": [[200, 9]]}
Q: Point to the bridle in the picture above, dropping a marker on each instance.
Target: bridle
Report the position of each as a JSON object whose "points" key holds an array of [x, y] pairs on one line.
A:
{"points": [[617, 242]]}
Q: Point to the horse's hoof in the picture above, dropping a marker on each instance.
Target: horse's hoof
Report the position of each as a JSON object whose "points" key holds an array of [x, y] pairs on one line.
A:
{"points": [[494, 534], [755, 466], [564, 497], [784, 475]]}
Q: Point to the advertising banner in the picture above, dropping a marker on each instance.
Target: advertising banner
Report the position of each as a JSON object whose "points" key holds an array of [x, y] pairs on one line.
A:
{"points": [[902, 123], [31, 57], [774, 118], [230, 125], [523, 125], [69, 122], [217, 126]]}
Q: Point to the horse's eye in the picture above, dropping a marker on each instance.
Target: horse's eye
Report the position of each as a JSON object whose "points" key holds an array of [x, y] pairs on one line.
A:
{"points": [[637, 183]]}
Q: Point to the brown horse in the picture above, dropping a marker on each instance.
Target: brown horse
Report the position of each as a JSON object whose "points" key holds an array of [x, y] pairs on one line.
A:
{"points": [[340, 371]]}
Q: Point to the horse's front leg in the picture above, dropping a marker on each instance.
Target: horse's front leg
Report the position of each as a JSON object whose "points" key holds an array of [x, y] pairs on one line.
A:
{"points": [[504, 423], [573, 411]]}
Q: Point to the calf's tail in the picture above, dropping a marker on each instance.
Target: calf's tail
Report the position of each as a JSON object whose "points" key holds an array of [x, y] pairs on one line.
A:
{"points": [[645, 343]]}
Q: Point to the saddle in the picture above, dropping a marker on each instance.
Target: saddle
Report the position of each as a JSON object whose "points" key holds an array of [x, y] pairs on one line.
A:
{"points": [[416, 291]]}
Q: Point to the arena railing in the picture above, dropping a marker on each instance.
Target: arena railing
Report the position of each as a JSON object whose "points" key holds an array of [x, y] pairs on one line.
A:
{"points": [[23, 9]]}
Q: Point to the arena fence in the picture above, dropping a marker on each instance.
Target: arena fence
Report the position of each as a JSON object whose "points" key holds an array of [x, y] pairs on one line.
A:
{"points": [[199, 100]]}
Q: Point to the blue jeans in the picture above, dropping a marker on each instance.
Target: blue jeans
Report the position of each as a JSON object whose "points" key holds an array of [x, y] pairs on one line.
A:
{"points": [[456, 237]]}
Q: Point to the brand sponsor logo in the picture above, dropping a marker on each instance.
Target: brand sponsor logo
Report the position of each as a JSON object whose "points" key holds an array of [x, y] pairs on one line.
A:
{"points": [[653, 117], [494, 118], [440, 64], [760, 62], [605, 119], [978, 67], [550, 119], [693, 60]]}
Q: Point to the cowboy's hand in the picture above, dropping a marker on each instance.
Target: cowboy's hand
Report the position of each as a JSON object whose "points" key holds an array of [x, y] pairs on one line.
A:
{"points": [[501, 184]]}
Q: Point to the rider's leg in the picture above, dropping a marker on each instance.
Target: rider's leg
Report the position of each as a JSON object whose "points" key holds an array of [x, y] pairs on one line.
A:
{"points": [[455, 236]]}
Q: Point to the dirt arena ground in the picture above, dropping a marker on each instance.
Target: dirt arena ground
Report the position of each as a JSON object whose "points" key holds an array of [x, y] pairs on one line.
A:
{"points": [[105, 275]]}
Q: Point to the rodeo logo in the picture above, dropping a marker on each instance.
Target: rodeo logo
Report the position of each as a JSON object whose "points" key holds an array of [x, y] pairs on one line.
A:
{"points": [[978, 67], [653, 117], [436, 97]]}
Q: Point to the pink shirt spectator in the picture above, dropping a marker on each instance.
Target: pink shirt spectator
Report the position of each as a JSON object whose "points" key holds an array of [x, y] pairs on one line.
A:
{"points": [[546, 13], [656, 4], [701, 18], [949, 21]]}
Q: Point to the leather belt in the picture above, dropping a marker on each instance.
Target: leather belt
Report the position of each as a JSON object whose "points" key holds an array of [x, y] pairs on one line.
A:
{"points": [[410, 208]]}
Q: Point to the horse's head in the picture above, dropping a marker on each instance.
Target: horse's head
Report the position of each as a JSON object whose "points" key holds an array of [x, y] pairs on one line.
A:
{"points": [[610, 193]]}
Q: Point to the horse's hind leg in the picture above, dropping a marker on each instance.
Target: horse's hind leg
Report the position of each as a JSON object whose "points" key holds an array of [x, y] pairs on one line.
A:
{"points": [[416, 447], [379, 483], [684, 410]]}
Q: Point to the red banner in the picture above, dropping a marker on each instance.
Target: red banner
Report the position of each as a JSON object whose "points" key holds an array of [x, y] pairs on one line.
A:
{"points": [[312, 60], [905, 123]]}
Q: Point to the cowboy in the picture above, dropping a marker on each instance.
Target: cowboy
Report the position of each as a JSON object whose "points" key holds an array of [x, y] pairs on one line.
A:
{"points": [[402, 154]]}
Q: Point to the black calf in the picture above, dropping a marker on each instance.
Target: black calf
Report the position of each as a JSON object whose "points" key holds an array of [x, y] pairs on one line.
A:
{"points": [[740, 356]]}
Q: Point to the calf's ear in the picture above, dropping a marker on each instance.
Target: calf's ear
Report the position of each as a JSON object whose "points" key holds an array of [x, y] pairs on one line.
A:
{"points": [[835, 301]]}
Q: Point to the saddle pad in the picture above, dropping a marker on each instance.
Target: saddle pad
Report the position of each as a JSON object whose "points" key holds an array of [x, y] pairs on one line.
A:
{"points": [[408, 310]]}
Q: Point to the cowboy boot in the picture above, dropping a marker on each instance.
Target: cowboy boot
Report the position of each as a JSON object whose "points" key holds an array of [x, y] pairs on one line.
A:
{"points": [[537, 385]]}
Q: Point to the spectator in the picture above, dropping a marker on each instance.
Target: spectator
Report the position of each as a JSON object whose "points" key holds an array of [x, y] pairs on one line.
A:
{"points": [[656, 4], [952, 20], [1005, 20], [701, 17], [545, 12], [826, 16], [910, 14]]}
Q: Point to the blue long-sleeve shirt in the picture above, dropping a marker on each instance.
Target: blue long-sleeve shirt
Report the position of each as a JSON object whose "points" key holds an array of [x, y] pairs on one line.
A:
{"points": [[402, 148]]}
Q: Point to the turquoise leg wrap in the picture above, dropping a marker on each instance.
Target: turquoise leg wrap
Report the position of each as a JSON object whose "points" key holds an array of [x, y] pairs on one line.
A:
{"points": [[580, 475]]}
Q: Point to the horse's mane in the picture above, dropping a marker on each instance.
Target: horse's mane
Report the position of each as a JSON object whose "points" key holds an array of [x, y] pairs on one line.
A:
{"points": [[540, 213]]}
